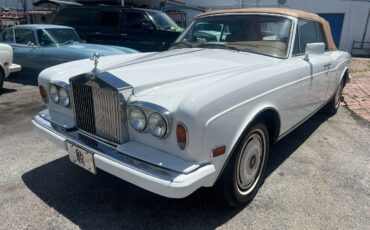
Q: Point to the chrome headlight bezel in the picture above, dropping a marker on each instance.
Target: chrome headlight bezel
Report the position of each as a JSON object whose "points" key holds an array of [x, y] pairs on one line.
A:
{"points": [[60, 94], [149, 110], [157, 125], [133, 119], [54, 93], [64, 97]]}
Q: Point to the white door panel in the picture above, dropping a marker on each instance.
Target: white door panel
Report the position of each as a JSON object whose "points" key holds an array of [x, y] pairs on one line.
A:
{"points": [[320, 76]]}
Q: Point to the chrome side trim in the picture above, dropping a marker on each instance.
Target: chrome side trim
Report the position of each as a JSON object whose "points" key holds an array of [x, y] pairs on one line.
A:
{"points": [[267, 93]]}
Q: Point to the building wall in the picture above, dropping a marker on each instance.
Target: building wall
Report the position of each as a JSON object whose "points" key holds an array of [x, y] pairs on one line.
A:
{"points": [[15, 4], [355, 16], [355, 13]]}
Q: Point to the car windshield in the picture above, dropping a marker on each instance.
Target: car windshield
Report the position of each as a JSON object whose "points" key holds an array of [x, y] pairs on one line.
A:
{"points": [[163, 21], [261, 34], [57, 36]]}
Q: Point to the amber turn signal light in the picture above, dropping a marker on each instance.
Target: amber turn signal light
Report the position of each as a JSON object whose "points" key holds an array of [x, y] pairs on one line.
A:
{"points": [[43, 94], [218, 151], [181, 135]]}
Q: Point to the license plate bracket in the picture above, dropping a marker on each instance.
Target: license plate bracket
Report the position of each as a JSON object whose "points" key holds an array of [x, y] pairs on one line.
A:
{"points": [[81, 157]]}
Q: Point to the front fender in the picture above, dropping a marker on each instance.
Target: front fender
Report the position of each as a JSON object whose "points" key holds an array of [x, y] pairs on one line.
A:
{"points": [[228, 128]]}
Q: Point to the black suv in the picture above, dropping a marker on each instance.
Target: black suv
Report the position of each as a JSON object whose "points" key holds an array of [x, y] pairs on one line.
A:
{"points": [[141, 29]]}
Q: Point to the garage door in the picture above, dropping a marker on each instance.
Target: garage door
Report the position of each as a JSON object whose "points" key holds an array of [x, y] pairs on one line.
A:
{"points": [[336, 25]]}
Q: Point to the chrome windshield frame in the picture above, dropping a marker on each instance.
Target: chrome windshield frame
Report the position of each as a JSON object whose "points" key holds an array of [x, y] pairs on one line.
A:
{"points": [[291, 32]]}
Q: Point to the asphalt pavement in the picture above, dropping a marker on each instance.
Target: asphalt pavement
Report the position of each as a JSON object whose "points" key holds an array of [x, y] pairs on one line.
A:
{"points": [[318, 178]]}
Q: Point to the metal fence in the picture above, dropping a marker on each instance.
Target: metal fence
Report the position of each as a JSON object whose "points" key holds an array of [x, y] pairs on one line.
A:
{"points": [[360, 49]]}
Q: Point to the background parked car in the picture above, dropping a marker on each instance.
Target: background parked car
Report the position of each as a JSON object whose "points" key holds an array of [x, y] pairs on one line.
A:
{"points": [[142, 29], [152, 4], [6, 63], [41, 46]]}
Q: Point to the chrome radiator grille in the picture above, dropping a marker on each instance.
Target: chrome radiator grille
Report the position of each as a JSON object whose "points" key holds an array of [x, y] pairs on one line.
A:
{"points": [[84, 107], [98, 111], [108, 114]]}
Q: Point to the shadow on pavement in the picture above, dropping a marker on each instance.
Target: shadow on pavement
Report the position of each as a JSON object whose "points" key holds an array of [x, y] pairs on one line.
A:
{"points": [[287, 146], [106, 202], [25, 77], [5, 90]]}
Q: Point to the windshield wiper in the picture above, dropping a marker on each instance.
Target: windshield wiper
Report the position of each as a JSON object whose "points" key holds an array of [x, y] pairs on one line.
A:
{"points": [[217, 45], [181, 45]]}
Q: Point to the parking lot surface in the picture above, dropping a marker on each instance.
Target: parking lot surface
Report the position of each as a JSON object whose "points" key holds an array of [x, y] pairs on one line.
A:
{"points": [[318, 177]]}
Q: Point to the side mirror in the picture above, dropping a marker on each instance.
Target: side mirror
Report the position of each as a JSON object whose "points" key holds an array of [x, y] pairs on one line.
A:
{"points": [[146, 26], [314, 48], [31, 44]]}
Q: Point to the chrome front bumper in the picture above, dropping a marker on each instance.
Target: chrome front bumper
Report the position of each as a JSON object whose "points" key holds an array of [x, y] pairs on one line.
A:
{"points": [[160, 180], [14, 68]]}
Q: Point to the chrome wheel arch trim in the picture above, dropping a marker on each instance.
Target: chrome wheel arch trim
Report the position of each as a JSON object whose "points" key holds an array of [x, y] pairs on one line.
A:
{"points": [[240, 137]]}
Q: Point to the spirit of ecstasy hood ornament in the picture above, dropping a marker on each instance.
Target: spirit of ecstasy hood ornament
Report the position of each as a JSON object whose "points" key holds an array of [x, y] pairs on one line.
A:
{"points": [[95, 58]]}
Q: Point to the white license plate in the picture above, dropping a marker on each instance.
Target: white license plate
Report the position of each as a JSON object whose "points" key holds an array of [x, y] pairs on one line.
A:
{"points": [[81, 157]]}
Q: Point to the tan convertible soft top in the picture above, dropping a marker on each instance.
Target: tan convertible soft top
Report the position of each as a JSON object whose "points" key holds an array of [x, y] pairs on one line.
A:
{"points": [[283, 11]]}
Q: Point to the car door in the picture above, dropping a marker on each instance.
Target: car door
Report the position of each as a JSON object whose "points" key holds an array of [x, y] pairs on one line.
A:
{"points": [[52, 52], [26, 50], [108, 29], [318, 64], [140, 32]]}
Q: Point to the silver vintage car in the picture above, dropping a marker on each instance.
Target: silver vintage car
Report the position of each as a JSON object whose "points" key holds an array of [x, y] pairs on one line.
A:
{"points": [[203, 113], [41, 46]]}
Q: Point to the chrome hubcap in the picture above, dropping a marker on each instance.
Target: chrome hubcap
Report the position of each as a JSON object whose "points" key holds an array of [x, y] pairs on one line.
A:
{"points": [[250, 162]]}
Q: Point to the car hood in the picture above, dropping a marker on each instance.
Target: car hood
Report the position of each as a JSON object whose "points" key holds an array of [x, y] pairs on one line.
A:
{"points": [[157, 73], [171, 73], [96, 48]]}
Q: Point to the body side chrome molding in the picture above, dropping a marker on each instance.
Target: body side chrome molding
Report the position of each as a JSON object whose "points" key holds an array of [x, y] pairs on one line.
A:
{"points": [[266, 93]]}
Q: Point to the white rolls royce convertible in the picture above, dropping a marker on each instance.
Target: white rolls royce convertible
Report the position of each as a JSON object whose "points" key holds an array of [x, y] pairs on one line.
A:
{"points": [[203, 113]]}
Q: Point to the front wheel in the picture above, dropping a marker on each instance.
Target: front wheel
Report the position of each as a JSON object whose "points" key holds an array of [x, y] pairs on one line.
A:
{"points": [[244, 173], [334, 104]]}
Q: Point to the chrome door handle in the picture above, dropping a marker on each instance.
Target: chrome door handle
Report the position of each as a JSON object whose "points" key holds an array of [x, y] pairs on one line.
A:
{"points": [[98, 33], [124, 35]]}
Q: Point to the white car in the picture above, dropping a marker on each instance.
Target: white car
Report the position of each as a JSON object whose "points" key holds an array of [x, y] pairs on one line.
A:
{"points": [[6, 63], [203, 113]]}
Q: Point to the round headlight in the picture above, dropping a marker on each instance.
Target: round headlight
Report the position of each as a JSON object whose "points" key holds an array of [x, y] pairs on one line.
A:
{"points": [[64, 97], [157, 125], [53, 91], [137, 119]]}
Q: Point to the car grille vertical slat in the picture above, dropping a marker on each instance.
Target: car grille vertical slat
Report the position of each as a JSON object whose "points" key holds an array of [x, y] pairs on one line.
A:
{"points": [[98, 111], [84, 107], [107, 114]]}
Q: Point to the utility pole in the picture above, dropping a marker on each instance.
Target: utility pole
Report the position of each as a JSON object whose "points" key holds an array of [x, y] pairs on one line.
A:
{"points": [[163, 5], [25, 9]]}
